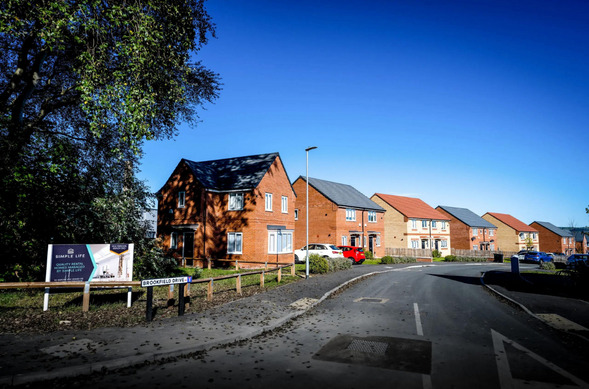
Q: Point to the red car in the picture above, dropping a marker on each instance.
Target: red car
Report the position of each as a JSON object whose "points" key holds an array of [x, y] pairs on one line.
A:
{"points": [[356, 254]]}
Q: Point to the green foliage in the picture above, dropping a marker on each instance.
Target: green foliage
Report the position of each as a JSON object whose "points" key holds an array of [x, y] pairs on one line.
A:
{"points": [[337, 264], [151, 262], [318, 264], [85, 85], [389, 260], [547, 266], [436, 254], [454, 258], [368, 254]]}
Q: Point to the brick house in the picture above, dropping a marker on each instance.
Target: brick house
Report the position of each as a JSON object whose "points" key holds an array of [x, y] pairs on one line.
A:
{"points": [[469, 231], [411, 223], [512, 234], [237, 208], [338, 214], [553, 239], [581, 241]]}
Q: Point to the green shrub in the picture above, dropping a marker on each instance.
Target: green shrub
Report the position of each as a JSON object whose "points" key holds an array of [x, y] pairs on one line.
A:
{"points": [[368, 254], [318, 264], [547, 266], [436, 254], [454, 258], [387, 259], [337, 264]]}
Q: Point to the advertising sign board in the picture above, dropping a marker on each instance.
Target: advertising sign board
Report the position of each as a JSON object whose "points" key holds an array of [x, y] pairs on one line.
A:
{"points": [[88, 262]]}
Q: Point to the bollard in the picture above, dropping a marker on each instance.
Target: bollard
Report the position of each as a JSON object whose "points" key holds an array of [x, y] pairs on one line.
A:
{"points": [[181, 306], [149, 304]]}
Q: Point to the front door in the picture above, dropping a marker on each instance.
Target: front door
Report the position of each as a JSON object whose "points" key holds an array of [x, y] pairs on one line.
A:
{"points": [[371, 243], [188, 245]]}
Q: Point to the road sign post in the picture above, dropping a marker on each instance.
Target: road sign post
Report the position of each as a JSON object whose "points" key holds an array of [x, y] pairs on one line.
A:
{"points": [[149, 284]]}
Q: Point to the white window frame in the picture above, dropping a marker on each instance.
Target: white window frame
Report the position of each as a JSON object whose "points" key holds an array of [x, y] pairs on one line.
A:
{"points": [[377, 240], [174, 240], [181, 199], [344, 240], [413, 224], [235, 249], [371, 216], [414, 244], [491, 232], [444, 244], [268, 202], [424, 223], [475, 231], [434, 224], [443, 226], [350, 215], [280, 241], [236, 201], [284, 204], [296, 214]]}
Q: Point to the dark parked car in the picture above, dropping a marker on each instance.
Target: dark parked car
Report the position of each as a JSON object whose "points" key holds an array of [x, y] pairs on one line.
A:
{"points": [[577, 259], [533, 256], [356, 254]]}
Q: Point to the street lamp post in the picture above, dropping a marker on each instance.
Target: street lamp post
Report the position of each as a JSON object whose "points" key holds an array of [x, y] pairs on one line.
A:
{"points": [[307, 217]]}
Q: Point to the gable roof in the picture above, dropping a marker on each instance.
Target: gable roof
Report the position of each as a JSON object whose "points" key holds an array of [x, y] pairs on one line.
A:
{"points": [[412, 207], [343, 195], [555, 229], [467, 217], [239, 173], [512, 222], [579, 235]]}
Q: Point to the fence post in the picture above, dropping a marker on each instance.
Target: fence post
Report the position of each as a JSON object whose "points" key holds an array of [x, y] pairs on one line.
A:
{"points": [[238, 284], [209, 263], [261, 279], [279, 274], [236, 265], [293, 270], [266, 265], [86, 298], [210, 290], [171, 296]]}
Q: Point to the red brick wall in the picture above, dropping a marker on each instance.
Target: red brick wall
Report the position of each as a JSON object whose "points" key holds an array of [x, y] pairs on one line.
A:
{"points": [[460, 233], [210, 211], [327, 221], [551, 242]]}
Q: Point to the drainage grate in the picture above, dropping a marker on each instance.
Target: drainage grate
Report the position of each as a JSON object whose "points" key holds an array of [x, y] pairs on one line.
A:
{"points": [[367, 346], [371, 300]]}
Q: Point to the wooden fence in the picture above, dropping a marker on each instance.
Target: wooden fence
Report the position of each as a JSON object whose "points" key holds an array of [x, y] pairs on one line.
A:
{"points": [[86, 286]]}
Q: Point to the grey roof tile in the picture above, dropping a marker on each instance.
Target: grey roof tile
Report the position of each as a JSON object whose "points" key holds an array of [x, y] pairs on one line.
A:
{"points": [[343, 195], [468, 217]]}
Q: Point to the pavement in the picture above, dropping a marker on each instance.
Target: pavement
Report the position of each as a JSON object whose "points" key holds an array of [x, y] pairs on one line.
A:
{"points": [[27, 358]]}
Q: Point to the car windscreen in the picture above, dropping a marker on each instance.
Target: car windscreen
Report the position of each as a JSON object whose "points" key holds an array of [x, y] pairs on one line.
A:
{"points": [[334, 247]]}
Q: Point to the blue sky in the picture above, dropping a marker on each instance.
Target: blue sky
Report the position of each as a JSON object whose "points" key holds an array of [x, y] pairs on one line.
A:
{"points": [[475, 104]]}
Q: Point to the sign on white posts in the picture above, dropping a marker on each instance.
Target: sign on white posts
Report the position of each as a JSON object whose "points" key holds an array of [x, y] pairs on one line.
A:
{"points": [[88, 262]]}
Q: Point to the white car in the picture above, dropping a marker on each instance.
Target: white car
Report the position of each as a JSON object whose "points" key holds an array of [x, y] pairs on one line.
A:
{"points": [[325, 250]]}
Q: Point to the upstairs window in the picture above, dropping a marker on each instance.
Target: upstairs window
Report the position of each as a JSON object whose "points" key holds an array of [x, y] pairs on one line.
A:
{"points": [[424, 224], [181, 199], [284, 204], [475, 231], [296, 212], [268, 201], [413, 224], [443, 225], [491, 232], [350, 215], [235, 201], [434, 224], [372, 216]]}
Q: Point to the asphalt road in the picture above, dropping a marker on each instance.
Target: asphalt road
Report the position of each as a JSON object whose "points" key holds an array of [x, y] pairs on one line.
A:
{"points": [[415, 327]]}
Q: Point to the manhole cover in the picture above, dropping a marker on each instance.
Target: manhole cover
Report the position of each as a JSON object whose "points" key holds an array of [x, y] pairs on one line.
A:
{"points": [[411, 355], [371, 300]]}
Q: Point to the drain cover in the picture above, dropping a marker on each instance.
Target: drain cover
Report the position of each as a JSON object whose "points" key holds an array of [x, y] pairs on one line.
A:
{"points": [[371, 300], [411, 355]]}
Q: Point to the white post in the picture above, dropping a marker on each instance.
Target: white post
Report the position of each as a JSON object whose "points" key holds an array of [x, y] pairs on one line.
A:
{"points": [[46, 300], [129, 296]]}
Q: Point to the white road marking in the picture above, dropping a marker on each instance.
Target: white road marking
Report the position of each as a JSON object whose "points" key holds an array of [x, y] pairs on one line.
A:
{"points": [[418, 320], [506, 380]]}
